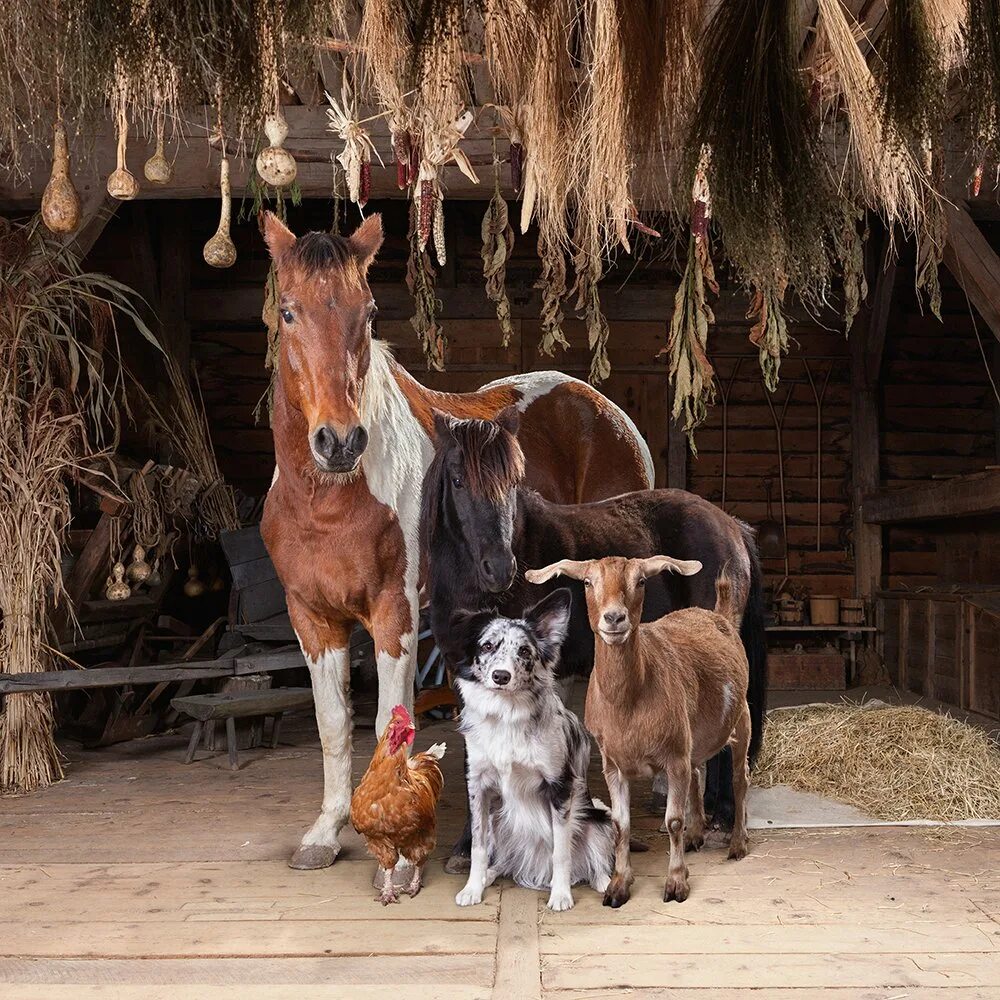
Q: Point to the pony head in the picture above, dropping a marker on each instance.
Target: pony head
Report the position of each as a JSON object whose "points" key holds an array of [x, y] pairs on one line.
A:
{"points": [[325, 313]]}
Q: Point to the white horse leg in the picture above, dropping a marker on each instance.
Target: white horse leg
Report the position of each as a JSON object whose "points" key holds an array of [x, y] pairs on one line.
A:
{"points": [[330, 673], [395, 660]]}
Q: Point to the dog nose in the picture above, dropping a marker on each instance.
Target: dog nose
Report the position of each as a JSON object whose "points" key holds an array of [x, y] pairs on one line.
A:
{"points": [[614, 618], [501, 677]]}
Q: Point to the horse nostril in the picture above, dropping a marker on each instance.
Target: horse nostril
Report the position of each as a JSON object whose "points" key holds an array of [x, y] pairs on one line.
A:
{"points": [[357, 440], [488, 571], [325, 441], [501, 677]]}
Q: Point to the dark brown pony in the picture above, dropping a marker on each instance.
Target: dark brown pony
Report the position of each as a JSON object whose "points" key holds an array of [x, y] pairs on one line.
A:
{"points": [[352, 440], [483, 525]]}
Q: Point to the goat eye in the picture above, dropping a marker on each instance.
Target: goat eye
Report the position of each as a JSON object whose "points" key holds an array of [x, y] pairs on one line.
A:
{"points": [[286, 315], [642, 582], [586, 582]]}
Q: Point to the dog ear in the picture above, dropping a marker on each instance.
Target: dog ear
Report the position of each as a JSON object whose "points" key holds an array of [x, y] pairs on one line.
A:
{"points": [[549, 621], [565, 567]]}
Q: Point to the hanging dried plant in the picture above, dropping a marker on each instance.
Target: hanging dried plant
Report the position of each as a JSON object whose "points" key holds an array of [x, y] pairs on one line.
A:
{"points": [[769, 333], [982, 44], [849, 249], [356, 156], [552, 283], [691, 372], [930, 253], [420, 281], [438, 52], [498, 241], [769, 182], [913, 76], [588, 305]]}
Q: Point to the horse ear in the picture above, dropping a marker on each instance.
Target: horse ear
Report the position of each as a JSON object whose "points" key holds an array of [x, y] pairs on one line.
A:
{"points": [[442, 426], [667, 564], [366, 240], [278, 237], [565, 567], [549, 620], [509, 419]]}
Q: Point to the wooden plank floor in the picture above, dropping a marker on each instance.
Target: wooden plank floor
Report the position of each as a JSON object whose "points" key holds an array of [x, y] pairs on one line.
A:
{"points": [[138, 877]]}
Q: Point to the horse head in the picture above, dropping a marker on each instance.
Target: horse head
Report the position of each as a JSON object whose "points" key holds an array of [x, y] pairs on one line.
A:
{"points": [[325, 314], [470, 493]]}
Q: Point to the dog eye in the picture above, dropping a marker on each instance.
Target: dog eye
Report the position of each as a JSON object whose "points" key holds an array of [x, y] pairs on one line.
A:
{"points": [[524, 651], [486, 646], [286, 315]]}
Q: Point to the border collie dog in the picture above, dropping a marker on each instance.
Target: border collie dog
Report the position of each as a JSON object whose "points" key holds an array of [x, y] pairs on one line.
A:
{"points": [[532, 817]]}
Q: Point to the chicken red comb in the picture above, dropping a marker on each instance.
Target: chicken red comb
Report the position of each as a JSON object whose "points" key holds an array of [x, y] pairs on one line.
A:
{"points": [[400, 712]]}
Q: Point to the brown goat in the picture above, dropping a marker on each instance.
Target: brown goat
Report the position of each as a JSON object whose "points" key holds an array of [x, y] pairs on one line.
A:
{"points": [[664, 696]]}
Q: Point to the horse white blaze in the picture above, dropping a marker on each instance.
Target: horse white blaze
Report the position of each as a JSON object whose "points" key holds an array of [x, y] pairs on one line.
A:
{"points": [[330, 674]]}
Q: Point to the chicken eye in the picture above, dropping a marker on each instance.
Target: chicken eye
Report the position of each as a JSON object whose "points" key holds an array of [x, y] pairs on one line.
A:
{"points": [[286, 315]]}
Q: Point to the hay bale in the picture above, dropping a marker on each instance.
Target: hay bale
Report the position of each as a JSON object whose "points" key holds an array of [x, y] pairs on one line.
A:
{"points": [[894, 762]]}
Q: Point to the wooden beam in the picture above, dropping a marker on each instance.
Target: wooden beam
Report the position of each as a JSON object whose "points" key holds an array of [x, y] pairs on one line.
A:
{"points": [[677, 449], [98, 208], [975, 265], [962, 496], [878, 318]]}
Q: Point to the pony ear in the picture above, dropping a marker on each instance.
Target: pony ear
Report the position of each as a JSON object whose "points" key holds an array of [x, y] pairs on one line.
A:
{"points": [[509, 418], [667, 564], [442, 426], [466, 627], [278, 237], [366, 240], [565, 567], [549, 620]]}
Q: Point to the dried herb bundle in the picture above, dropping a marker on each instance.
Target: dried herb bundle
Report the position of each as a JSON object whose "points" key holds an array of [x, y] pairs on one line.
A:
{"points": [[982, 44], [498, 241]]}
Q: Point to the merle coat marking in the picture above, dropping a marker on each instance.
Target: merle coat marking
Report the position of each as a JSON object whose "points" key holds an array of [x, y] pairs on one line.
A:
{"points": [[533, 819]]}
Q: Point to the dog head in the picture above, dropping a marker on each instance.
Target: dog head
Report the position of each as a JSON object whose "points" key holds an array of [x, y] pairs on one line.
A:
{"points": [[513, 654]]}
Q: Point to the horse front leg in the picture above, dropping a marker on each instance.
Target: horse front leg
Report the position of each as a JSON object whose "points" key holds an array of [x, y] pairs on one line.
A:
{"points": [[394, 627], [328, 657]]}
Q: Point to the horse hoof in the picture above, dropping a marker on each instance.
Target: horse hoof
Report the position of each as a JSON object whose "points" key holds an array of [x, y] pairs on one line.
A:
{"points": [[458, 864], [310, 857]]}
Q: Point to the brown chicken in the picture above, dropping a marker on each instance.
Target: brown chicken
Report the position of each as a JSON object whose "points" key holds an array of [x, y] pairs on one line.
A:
{"points": [[394, 808]]}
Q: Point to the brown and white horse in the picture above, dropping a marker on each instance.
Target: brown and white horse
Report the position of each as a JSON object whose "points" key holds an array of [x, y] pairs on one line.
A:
{"points": [[353, 437]]}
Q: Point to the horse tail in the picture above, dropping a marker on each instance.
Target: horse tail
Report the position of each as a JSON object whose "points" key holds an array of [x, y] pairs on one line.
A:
{"points": [[755, 643]]}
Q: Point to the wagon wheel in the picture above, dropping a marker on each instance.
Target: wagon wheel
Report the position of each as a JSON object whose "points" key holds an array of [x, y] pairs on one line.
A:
{"points": [[433, 690]]}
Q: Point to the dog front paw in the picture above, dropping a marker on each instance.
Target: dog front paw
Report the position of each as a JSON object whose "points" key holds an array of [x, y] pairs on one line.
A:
{"points": [[560, 899], [470, 895]]}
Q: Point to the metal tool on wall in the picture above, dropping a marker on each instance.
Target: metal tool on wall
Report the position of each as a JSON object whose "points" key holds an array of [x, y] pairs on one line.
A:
{"points": [[818, 395], [779, 422]]}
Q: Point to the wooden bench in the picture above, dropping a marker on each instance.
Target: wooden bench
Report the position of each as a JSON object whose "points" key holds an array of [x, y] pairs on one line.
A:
{"points": [[233, 705]]}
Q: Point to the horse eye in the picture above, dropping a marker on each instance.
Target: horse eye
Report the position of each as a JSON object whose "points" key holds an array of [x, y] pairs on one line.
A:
{"points": [[456, 481], [286, 315]]}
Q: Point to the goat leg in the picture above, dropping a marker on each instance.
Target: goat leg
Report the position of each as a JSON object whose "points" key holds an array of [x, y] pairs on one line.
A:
{"points": [[617, 892], [694, 832], [740, 741], [679, 779]]}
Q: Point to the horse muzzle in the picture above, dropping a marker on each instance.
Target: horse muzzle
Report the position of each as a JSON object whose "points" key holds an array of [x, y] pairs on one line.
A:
{"points": [[333, 453], [496, 572]]}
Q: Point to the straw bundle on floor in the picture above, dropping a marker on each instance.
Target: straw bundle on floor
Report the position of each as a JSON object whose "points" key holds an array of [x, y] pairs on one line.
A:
{"points": [[893, 762]]}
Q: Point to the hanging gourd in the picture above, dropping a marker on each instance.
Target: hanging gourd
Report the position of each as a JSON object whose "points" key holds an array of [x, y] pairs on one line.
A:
{"points": [[60, 202], [157, 168], [275, 164], [121, 184], [138, 570], [193, 586], [116, 588], [220, 251]]}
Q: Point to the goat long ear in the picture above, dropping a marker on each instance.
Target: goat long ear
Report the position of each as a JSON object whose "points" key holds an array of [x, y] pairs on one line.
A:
{"points": [[565, 567], [667, 564], [549, 620]]}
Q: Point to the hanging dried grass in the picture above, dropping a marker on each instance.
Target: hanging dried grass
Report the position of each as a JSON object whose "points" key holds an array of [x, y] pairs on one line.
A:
{"points": [[982, 45], [588, 304], [498, 241], [552, 283], [769, 183], [849, 249], [894, 762]]}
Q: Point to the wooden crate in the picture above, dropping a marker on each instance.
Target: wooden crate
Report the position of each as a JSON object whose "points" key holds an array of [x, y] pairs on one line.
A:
{"points": [[797, 670]]}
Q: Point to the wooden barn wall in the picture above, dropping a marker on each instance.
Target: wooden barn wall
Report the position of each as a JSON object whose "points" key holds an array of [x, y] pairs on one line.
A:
{"points": [[937, 418]]}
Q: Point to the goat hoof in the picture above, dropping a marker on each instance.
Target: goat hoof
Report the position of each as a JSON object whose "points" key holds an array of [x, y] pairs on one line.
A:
{"points": [[676, 889], [737, 852], [617, 894]]}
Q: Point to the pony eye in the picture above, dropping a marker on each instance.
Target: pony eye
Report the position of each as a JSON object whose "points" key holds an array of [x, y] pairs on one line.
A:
{"points": [[286, 315], [456, 481]]}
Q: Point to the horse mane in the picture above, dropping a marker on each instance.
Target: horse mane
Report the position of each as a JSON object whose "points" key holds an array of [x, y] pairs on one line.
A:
{"points": [[492, 462], [314, 253]]}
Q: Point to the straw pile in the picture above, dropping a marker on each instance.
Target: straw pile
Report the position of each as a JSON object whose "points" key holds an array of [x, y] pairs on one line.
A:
{"points": [[893, 762]]}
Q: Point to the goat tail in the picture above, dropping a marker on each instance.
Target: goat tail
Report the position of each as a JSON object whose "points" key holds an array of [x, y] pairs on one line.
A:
{"points": [[725, 605], [755, 643]]}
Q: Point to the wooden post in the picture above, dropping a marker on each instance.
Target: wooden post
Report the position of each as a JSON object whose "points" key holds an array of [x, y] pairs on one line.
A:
{"points": [[867, 341], [677, 449]]}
